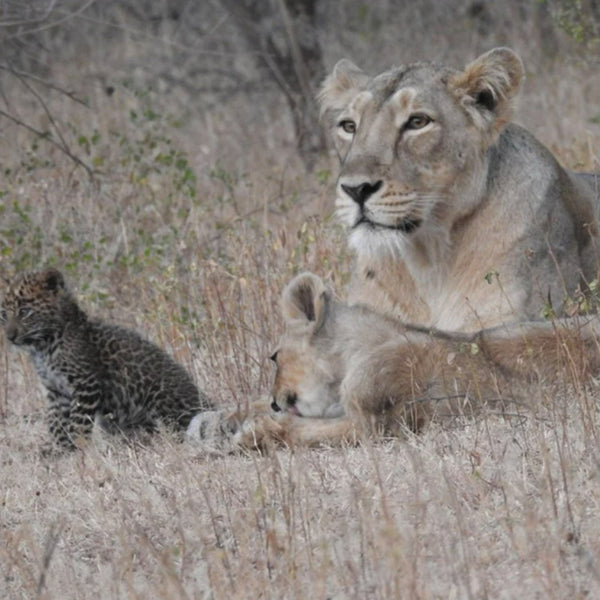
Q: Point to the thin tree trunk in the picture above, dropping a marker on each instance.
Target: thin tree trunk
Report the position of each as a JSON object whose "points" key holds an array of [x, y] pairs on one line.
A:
{"points": [[283, 36]]}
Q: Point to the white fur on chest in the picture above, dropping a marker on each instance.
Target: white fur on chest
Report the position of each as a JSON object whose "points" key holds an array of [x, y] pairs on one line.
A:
{"points": [[51, 378], [482, 304], [444, 290]]}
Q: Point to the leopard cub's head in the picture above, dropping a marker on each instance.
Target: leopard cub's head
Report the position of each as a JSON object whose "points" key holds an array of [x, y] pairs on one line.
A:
{"points": [[32, 309], [307, 382]]}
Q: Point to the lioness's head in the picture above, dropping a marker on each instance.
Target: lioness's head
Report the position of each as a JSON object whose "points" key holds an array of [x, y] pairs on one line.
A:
{"points": [[413, 143], [307, 381]]}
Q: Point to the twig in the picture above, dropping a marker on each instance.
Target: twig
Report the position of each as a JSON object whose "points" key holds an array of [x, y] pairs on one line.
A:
{"points": [[189, 49], [4, 403], [38, 97], [45, 136], [53, 23], [32, 20], [49, 547], [22, 75]]}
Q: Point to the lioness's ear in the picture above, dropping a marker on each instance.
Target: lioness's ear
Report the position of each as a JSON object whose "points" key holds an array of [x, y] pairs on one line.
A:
{"points": [[487, 86], [339, 87], [305, 301]]}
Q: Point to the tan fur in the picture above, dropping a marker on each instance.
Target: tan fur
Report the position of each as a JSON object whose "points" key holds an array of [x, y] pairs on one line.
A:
{"points": [[468, 222], [383, 377]]}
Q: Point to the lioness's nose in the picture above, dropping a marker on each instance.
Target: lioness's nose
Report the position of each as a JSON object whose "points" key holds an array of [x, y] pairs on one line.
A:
{"points": [[361, 193]]}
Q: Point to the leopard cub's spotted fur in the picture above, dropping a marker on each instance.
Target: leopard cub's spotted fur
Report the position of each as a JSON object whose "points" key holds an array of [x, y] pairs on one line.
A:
{"points": [[94, 371]]}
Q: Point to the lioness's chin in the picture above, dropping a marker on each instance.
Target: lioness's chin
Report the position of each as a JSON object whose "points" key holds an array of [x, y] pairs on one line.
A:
{"points": [[371, 241]]}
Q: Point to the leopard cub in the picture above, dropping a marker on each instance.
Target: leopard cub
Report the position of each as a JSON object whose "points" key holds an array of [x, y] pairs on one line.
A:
{"points": [[94, 371]]}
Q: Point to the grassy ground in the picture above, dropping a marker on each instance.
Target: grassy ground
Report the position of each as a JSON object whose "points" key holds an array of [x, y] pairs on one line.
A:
{"points": [[491, 509], [195, 221]]}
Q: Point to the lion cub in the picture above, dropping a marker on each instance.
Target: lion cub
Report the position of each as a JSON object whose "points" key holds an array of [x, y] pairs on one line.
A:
{"points": [[354, 371]]}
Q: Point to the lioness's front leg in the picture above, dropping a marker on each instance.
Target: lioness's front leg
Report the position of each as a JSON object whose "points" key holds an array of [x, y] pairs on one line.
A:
{"points": [[263, 430], [383, 391], [258, 426]]}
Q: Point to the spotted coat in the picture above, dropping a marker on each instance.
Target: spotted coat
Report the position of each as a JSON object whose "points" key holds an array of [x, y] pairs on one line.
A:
{"points": [[94, 371]]}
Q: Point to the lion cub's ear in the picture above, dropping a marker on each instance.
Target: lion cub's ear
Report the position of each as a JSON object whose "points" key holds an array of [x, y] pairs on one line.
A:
{"points": [[305, 302], [345, 81], [487, 86]]}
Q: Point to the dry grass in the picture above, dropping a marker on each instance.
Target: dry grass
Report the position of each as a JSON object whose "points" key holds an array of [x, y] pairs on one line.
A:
{"points": [[494, 508]]}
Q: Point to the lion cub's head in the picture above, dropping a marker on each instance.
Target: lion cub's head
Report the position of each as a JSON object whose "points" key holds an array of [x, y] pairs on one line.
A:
{"points": [[308, 377], [413, 143]]}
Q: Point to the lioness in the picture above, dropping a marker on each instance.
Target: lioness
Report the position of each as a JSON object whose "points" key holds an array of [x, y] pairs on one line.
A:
{"points": [[355, 372], [459, 219]]}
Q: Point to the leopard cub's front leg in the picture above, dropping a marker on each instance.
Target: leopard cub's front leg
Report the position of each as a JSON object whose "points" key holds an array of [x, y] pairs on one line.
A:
{"points": [[70, 420], [59, 424]]}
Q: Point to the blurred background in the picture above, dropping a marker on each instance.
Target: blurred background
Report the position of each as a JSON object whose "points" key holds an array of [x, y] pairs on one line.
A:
{"points": [[167, 154], [231, 73]]}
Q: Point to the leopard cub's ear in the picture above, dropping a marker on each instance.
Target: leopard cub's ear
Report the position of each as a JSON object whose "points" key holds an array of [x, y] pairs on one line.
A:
{"points": [[305, 302], [53, 280]]}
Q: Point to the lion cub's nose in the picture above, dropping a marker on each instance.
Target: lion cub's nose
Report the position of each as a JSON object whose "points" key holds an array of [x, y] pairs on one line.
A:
{"points": [[361, 193]]}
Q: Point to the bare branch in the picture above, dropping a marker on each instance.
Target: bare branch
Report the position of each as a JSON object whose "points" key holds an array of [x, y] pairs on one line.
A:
{"points": [[37, 96], [29, 21], [49, 547], [52, 86], [44, 135], [53, 24]]}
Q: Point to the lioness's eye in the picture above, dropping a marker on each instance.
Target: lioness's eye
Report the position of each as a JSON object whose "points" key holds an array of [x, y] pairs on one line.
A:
{"points": [[273, 356], [348, 125], [417, 121]]}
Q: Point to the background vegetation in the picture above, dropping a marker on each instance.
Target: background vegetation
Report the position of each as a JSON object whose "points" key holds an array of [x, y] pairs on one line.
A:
{"points": [[166, 155]]}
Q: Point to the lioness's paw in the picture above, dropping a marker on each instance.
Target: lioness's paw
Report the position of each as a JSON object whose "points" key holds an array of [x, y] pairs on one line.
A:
{"points": [[251, 427], [211, 426], [260, 431]]}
